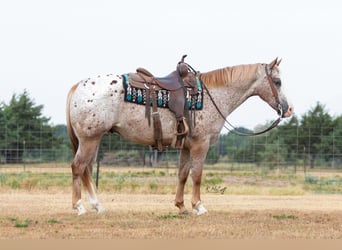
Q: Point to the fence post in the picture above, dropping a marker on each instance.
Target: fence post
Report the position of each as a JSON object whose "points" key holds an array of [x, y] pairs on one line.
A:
{"points": [[97, 172]]}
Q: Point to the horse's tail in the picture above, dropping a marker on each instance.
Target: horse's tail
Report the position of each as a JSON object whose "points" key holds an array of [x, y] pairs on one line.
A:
{"points": [[71, 133]]}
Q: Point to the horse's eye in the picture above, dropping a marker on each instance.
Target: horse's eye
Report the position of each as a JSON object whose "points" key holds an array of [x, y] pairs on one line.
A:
{"points": [[277, 82]]}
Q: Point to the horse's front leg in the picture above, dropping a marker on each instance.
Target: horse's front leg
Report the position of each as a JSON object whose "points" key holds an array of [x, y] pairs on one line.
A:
{"points": [[196, 175], [183, 173], [198, 155]]}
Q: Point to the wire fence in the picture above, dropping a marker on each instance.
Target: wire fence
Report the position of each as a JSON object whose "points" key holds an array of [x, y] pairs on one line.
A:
{"points": [[288, 149]]}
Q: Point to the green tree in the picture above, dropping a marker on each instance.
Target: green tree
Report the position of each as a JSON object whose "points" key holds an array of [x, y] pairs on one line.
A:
{"points": [[61, 150], [333, 142], [24, 130], [2, 130], [287, 136], [315, 124], [212, 155], [238, 148]]}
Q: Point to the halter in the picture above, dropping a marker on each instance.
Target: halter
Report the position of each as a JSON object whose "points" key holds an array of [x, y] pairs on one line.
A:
{"points": [[274, 91], [235, 130]]}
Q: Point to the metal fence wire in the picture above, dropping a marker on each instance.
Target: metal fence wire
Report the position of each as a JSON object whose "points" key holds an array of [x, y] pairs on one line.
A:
{"points": [[289, 147]]}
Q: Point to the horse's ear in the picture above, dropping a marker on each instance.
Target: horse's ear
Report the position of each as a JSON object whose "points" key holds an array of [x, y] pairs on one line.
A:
{"points": [[273, 63], [279, 62]]}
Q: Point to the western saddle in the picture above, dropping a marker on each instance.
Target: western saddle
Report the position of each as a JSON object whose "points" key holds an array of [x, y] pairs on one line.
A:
{"points": [[177, 83]]}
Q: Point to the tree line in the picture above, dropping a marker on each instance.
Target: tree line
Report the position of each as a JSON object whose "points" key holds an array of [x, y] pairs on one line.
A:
{"points": [[25, 134], [315, 136]]}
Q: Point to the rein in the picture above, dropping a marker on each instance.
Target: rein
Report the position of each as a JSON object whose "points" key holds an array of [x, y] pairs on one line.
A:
{"points": [[235, 130]]}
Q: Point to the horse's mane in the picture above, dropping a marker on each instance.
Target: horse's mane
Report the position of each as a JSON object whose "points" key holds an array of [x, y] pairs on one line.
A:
{"points": [[228, 75]]}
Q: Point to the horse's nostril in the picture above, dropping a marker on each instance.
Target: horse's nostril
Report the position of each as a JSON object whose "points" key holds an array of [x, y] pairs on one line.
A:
{"points": [[289, 111], [291, 108]]}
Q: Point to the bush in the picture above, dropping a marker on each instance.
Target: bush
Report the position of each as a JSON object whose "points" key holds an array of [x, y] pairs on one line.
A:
{"points": [[311, 179]]}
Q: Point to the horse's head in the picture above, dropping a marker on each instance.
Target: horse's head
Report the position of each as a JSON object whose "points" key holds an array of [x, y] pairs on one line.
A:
{"points": [[270, 89]]}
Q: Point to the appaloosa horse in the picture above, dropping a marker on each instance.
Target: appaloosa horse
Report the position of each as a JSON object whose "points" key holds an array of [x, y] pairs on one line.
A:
{"points": [[96, 106]]}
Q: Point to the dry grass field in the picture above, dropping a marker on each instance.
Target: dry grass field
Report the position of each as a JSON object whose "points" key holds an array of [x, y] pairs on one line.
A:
{"points": [[139, 205]]}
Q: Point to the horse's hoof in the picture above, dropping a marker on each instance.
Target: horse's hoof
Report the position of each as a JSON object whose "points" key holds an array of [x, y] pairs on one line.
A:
{"points": [[183, 212], [99, 209], [80, 208], [199, 209], [79, 213]]}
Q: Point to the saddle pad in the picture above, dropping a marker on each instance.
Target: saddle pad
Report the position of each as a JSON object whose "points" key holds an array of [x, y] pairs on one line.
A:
{"points": [[138, 95]]}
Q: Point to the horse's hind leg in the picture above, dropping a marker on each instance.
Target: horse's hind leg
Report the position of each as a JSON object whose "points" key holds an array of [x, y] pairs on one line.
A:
{"points": [[91, 193], [80, 171]]}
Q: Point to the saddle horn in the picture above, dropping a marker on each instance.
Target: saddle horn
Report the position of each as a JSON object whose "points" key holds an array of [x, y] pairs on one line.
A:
{"points": [[183, 57], [182, 67]]}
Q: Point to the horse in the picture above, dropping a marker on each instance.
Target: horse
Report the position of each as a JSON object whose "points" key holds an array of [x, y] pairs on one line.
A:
{"points": [[96, 106]]}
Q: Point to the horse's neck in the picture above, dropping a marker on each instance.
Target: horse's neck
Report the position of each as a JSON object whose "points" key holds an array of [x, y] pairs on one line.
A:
{"points": [[231, 85]]}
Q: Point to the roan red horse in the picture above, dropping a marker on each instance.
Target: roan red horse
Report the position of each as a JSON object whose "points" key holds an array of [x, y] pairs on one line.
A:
{"points": [[97, 105]]}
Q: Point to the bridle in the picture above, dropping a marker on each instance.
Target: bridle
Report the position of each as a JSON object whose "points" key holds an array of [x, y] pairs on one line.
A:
{"points": [[274, 91], [233, 129]]}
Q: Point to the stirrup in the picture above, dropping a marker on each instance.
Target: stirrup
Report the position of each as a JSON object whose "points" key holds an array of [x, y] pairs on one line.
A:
{"points": [[186, 127], [179, 137]]}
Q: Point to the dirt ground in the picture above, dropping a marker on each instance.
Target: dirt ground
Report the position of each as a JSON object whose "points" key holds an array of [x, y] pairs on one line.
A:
{"points": [[48, 215]]}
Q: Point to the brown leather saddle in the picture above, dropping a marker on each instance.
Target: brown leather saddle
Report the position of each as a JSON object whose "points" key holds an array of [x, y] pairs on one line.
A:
{"points": [[178, 83]]}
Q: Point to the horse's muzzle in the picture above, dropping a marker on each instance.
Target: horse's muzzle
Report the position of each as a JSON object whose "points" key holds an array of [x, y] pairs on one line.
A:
{"points": [[289, 111]]}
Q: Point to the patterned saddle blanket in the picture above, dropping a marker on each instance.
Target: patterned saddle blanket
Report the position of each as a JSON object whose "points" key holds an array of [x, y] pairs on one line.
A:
{"points": [[194, 100]]}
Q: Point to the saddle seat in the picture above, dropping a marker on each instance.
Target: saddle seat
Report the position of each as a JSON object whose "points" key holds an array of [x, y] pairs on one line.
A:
{"points": [[170, 82]]}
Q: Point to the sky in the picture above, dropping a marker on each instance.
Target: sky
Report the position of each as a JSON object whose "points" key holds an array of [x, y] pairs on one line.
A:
{"points": [[47, 46]]}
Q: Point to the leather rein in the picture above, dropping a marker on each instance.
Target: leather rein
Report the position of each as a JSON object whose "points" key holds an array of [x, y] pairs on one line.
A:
{"points": [[235, 130]]}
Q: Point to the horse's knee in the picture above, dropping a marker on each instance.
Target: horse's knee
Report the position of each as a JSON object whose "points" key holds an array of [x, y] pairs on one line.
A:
{"points": [[196, 176], [183, 173], [182, 177]]}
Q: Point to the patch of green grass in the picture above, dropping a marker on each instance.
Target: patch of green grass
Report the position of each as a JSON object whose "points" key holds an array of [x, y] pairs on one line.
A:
{"points": [[121, 154], [331, 185], [3, 178], [161, 181], [311, 179], [21, 224], [14, 183], [171, 216], [215, 180], [130, 174], [53, 221], [162, 173], [134, 185], [29, 181], [210, 174], [284, 217], [119, 181], [153, 185]]}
